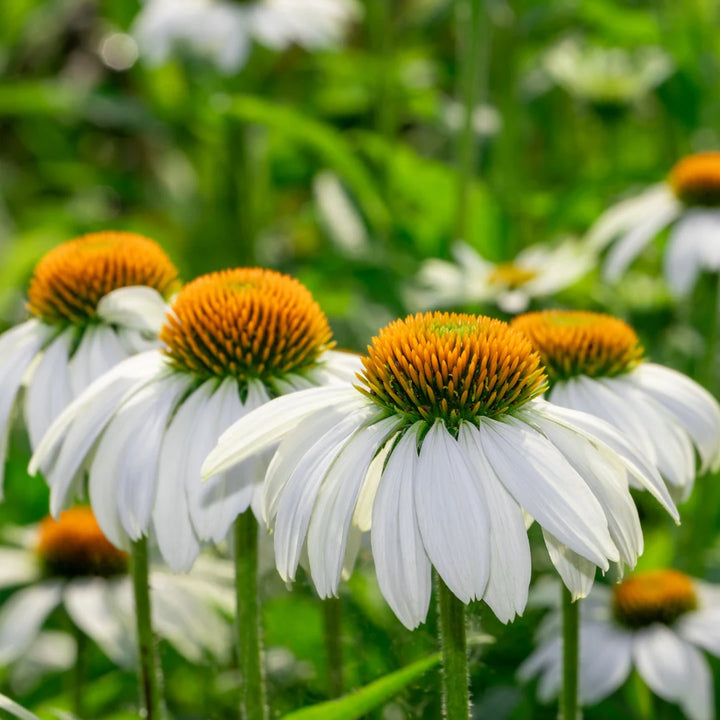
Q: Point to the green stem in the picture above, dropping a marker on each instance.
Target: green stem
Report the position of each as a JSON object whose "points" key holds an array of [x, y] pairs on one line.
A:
{"points": [[77, 679], [640, 698], [569, 707], [469, 49], [456, 696], [253, 705], [150, 678], [332, 628]]}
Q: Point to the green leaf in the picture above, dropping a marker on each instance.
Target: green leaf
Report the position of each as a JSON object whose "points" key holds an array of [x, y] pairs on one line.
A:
{"points": [[16, 710], [323, 139], [372, 696]]}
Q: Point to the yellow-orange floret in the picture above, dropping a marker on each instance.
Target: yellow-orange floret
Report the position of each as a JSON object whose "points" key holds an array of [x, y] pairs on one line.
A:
{"points": [[245, 323], [654, 596], [74, 546], [511, 276], [70, 280], [451, 366], [696, 179], [574, 343]]}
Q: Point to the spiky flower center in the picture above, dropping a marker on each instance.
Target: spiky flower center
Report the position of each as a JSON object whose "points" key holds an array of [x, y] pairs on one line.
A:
{"points": [[245, 323], [511, 276], [74, 546], [656, 596], [575, 343], [69, 282], [450, 366], [696, 179]]}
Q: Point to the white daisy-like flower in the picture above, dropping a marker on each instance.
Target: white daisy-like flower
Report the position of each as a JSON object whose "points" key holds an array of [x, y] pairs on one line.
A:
{"points": [[688, 202], [231, 341], [69, 563], [223, 30], [596, 365], [96, 301], [656, 622], [435, 452], [537, 272]]}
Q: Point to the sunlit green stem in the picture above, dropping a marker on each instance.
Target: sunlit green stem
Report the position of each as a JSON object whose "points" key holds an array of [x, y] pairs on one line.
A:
{"points": [[253, 704], [150, 679], [469, 51], [569, 707], [640, 698], [332, 628], [453, 642]]}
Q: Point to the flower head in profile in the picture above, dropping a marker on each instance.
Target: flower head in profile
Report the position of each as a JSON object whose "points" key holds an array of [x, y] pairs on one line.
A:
{"points": [[95, 301], [538, 271], [688, 202], [231, 341], [595, 364], [223, 30], [656, 622], [69, 563], [436, 450]]}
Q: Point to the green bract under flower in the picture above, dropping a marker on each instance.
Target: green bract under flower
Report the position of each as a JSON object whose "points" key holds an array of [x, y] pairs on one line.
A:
{"points": [[581, 343], [452, 367], [245, 323]]}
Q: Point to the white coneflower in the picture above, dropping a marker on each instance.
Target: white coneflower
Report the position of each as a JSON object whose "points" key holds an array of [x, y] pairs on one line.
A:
{"points": [[689, 203], [224, 30], [656, 622], [95, 301]]}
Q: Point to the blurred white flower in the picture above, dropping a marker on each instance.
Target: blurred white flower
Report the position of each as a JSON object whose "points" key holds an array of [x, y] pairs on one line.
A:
{"points": [[536, 272], [69, 563], [223, 30], [689, 203], [656, 622], [97, 300], [486, 119]]}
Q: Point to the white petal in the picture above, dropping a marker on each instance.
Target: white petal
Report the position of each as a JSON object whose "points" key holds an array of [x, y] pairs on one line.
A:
{"points": [[91, 606], [546, 661], [98, 351], [452, 515], [541, 480], [335, 503], [402, 566], [23, 614], [271, 422], [576, 572], [507, 588], [17, 567], [674, 670], [51, 652], [138, 307], [605, 660], [48, 391], [625, 250], [339, 366], [362, 517], [701, 627]]}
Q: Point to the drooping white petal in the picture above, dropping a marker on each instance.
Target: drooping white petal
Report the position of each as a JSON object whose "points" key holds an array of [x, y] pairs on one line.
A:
{"points": [[335, 366], [23, 614], [402, 566], [452, 514], [51, 652], [507, 589], [627, 248], [335, 503], [545, 662], [137, 307], [48, 391], [576, 572], [605, 660], [674, 670], [701, 627], [295, 506], [362, 517], [17, 567], [98, 351], [90, 602], [268, 424], [542, 481]]}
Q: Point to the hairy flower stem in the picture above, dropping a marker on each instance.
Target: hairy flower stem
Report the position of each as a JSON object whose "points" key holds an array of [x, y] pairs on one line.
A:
{"points": [[332, 628], [151, 702], [453, 643], [569, 708], [253, 703]]}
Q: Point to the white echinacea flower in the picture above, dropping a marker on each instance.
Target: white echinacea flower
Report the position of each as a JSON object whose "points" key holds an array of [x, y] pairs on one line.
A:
{"points": [[224, 30], [232, 340], [69, 563], [536, 272], [689, 203], [435, 452], [96, 301], [656, 622], [595, 364]]}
